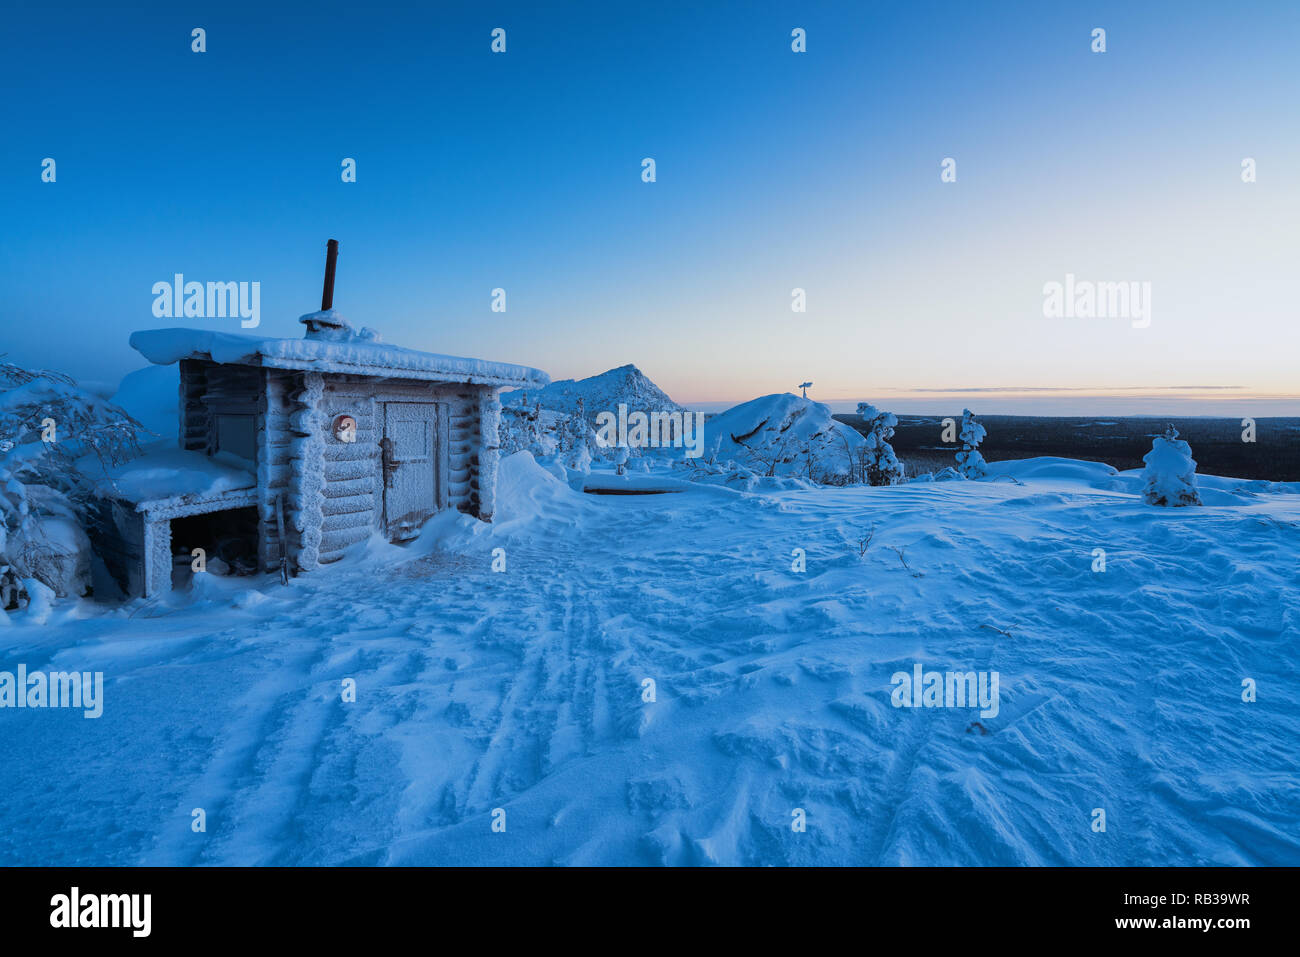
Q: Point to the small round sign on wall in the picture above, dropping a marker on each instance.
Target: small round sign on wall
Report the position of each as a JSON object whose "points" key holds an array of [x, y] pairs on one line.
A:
{"points": [[345, 428]]}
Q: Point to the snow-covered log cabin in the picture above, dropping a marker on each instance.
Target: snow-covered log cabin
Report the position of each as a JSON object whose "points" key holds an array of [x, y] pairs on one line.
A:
{"points": [[337, 436]]}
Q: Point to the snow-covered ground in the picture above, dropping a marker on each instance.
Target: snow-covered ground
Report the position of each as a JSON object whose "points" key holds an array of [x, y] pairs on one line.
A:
{"points": [[523, 690]]}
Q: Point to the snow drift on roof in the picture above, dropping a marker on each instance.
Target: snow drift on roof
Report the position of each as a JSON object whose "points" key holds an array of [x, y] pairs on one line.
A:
{"points": [[357, 357], [164, 472]]}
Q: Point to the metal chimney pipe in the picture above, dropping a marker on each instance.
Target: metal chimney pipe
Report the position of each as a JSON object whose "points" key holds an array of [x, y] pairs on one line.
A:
{"points": [[331, 257]]}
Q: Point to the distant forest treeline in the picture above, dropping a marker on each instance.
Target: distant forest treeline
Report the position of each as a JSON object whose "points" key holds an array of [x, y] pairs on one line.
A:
{"points": [[1216, 443]]}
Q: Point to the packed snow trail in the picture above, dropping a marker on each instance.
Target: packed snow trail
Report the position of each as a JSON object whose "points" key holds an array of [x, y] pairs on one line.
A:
{"points": [[522, 690]]}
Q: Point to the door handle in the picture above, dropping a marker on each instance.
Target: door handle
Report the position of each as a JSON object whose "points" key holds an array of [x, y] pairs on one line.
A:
{"points": [[389, 463]]}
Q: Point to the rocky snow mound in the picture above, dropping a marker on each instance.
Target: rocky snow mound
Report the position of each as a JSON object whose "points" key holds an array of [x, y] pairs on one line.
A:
{"points": [[784, 435]]}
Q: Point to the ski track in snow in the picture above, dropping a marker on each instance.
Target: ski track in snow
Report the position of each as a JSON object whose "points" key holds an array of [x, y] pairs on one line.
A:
{"points": [[522, 691]]}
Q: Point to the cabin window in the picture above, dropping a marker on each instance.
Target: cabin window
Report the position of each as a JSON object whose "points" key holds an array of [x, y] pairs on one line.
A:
{"points": [[237, 435]]}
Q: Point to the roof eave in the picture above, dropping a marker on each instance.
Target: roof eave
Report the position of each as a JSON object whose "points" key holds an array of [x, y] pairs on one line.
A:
{"points": [[394, 372]]}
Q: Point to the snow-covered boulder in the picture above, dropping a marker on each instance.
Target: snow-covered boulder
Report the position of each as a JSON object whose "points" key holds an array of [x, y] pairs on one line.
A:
{"points": [[785, 435], [1170, 474]]}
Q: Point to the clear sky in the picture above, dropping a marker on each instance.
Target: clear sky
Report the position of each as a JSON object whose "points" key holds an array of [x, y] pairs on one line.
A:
{"points": [[775, 170]]}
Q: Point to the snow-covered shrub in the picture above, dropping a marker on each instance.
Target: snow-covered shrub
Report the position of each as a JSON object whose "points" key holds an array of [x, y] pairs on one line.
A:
{"points": [[520, 428], [969, 461], [880, 466], [1170, 474], [948, 474], [580, 440], [47, 423], [41, 539], [735, 476], [579, 458], [546, 433]]}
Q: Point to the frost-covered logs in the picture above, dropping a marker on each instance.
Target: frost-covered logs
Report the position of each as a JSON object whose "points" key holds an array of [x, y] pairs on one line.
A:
{"points": [[489, 451], [307, 481]]}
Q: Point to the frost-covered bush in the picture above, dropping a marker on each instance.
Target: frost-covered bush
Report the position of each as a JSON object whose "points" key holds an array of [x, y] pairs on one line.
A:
{"points": [[48, 423], [736, 476], [969, 461], [948, 474], [578, 458], [879, 464], [41, 539], [549, 434], [521, 428], [580, 440], [1170, 474]]}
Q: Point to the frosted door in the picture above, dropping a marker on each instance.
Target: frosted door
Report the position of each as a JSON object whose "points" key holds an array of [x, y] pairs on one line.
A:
{"points": [[412, 486]]}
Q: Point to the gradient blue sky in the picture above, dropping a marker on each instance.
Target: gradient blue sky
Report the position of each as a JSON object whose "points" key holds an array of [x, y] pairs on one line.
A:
{"points": [[775, 170]]}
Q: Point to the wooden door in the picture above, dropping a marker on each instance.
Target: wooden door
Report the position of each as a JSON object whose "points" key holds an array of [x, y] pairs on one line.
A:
{"points": [[413, 464]]}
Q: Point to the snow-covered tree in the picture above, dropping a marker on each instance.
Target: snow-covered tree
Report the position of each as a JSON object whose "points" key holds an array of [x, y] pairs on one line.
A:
{"points": [[969, 461], [521, 428], [579, 458], [547, 433], [879, 463], [1170, 474], [48, 423], [578, 440]]}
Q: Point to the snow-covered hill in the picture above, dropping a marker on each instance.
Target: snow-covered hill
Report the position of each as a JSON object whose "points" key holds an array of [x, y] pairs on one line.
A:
{"points": [[626, 384], [525, 690]]}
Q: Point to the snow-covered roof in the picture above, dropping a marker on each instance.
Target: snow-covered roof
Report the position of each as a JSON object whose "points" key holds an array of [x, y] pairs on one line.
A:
{"points": [[346, 353], [163, 477]]}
